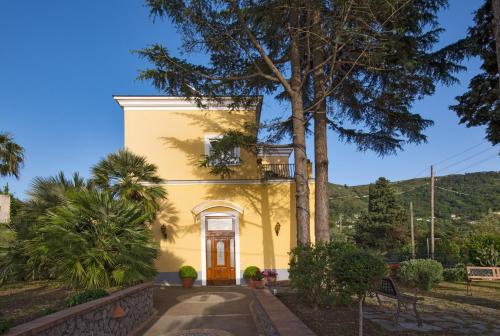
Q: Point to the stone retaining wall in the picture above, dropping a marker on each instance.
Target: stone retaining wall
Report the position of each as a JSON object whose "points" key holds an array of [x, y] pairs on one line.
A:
{"points": [[121, 313]]}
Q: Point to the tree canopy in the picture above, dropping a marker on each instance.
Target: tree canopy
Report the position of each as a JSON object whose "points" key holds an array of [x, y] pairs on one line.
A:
{"points": [[11, 156], [480, 104], [383, 227], [375, 59]]}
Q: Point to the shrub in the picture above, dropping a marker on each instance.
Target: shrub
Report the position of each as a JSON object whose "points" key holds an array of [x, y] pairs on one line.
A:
{"points": [[358, 271], [455, 274], [250, 272], [85, 296], [188, 272], [421, 273], [488, 256], [310, 272], [95, 240], [4, 326], [477, 244]]}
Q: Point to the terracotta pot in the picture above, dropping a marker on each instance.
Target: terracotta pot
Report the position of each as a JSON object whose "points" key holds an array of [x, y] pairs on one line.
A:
{"points": [[187, 282], [251, 283], [259, 284], [271, 279]]}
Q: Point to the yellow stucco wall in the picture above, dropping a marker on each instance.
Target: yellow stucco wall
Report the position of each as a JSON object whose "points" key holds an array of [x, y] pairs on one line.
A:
{"points": [[264, 205], [175, 141]]}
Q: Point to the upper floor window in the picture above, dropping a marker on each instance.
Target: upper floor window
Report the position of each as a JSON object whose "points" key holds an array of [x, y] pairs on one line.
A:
{"points": [[229, 158]]}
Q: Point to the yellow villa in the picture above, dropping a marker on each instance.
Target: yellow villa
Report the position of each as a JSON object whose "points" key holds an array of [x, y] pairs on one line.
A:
{"points": [[218, 226]]}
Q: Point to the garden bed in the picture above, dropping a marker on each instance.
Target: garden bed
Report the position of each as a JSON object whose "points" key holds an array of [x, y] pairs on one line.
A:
{"points": [[121, 313], [26, 301], [446, 301]]}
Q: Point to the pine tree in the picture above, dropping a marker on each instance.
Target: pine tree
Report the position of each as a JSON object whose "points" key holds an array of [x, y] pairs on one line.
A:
{"points": [[480, 105], [356, 67], [253, 48], [383, 227]]}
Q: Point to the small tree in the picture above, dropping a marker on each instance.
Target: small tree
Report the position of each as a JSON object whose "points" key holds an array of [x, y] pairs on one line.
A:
{"points": [[358, 272]]}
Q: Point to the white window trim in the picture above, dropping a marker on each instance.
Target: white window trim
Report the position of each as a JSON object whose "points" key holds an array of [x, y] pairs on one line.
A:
{"points": [[208, 137], [234, 215]]}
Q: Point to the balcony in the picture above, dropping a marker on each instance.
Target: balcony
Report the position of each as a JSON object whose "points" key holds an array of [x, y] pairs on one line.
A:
{"points": [[277, 171]]}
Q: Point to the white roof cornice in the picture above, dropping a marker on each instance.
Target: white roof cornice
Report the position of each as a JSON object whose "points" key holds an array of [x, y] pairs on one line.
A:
{"points": [[164, 103]]}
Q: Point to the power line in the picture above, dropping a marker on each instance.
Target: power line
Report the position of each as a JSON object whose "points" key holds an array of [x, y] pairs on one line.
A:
{"points": [[466, 159], [477, 163], [404, 192], [453, 191], [458, 154], [397, 193], [449, 158]]}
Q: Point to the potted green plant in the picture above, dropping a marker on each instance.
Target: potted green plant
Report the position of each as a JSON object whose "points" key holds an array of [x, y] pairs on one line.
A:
{"points": [[188, 275], [249, 274], [258, 280]]}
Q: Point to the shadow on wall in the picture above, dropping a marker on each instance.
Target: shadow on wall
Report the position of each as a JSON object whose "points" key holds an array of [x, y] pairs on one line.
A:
{"points": [[193, 149], [167, 216], [212, 121], [266, 200]]}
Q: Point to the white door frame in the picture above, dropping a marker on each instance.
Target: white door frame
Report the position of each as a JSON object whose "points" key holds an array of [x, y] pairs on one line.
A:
{"points": [[234, 215]]}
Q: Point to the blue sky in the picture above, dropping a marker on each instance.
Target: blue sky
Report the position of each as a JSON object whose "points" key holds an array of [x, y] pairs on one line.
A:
{"points": [[61, 62]]}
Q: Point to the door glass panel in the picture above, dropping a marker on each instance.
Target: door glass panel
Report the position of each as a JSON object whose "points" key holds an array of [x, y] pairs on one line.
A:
{"points": [[220, 253], [220, 224], [209, 253], [231, 252]]}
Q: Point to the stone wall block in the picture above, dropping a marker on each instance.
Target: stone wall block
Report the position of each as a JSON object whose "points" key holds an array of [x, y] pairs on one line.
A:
{"points": [[95, 318]]}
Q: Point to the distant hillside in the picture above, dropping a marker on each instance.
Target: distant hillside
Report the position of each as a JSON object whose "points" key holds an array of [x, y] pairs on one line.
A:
{"points": [[468, 197]]}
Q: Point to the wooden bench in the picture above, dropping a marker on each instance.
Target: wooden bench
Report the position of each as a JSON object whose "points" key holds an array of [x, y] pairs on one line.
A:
{"points": [[476, 273], [388, 288]]}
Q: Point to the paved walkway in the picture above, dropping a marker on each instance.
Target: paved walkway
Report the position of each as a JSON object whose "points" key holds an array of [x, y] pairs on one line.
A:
{"points": [[451, 319], [204, 311]]}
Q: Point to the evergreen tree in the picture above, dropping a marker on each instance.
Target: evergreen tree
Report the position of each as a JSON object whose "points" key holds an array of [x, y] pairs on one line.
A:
{"points": [[354, 66], [253, 48], [480, 105], [383, 227]]}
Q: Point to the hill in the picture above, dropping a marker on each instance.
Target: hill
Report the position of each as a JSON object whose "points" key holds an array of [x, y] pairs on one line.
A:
{"points": [[468, 197]]}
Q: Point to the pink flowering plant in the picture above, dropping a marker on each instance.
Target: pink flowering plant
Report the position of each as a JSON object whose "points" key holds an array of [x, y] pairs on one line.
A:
{"points": [[268, 273]]}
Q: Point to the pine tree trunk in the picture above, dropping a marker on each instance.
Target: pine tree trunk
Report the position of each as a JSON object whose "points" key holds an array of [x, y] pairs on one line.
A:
{"points": [[299, 137], [321, 205], [496, 27]]}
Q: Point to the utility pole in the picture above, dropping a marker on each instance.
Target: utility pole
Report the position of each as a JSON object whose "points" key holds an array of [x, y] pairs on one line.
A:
{"points": [[412, 232], [432, 212]]}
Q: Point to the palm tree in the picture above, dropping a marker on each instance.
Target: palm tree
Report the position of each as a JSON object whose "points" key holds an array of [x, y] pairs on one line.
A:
{"points": [[129, 176], [11, 156], [47, 193], [94, 240]]}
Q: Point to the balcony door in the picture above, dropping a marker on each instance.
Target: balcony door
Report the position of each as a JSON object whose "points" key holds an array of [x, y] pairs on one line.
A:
{"points": [[220, 250]]}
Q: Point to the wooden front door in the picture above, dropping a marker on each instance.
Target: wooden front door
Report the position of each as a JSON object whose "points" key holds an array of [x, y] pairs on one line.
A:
{"points": [[220, 251]]}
